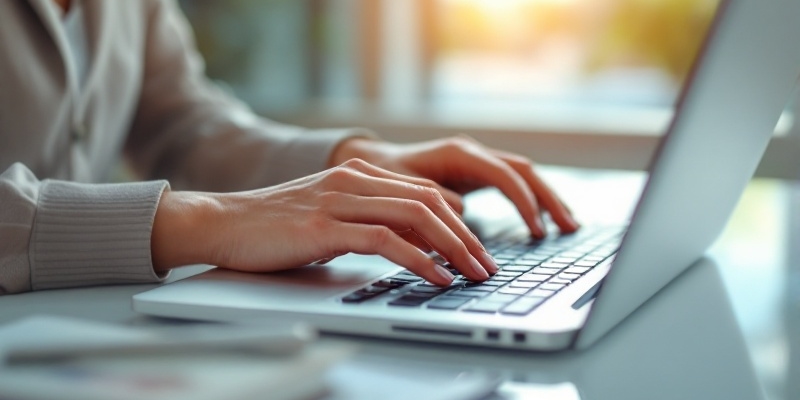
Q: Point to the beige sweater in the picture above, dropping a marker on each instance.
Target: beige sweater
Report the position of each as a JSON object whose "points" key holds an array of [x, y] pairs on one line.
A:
{"points": [[146, 97]]}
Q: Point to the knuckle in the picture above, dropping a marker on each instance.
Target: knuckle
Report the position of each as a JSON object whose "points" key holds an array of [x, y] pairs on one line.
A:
{"points": [[340, 174], [317, 222], [457, 252], [380, 236], [355, 163], [431, 196], [456, 144], [416, 209], [520, 161], [428, 183], [461, 250]]}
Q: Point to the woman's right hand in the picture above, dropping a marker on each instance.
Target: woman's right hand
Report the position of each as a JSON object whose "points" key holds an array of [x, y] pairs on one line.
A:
{"points": [[355, 207]]}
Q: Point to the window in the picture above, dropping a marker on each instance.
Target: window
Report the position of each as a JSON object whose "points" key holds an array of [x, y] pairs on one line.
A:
{"points": [[578, 82]]}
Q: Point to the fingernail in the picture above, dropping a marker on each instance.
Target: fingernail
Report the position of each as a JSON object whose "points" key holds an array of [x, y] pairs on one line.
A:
{"points": [[489, 262], [443, 273], [478, 268]]}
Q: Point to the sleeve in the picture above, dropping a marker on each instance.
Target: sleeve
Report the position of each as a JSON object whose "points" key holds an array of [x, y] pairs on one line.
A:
{"points": [[190, 132], [58, 234]]}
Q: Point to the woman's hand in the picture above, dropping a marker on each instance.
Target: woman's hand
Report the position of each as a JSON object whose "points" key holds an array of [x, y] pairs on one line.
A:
{"points": [[355, 207], [461, 164]]}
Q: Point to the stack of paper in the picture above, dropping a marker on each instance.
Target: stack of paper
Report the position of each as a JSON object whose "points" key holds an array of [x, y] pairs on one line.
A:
{"points": [[229, 374]]}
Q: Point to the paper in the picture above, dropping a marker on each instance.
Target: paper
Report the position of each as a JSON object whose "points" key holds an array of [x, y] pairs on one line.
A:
{"points": [[220, 375]]}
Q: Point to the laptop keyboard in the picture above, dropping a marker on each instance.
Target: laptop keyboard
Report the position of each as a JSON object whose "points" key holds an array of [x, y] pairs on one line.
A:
{"points": [[530, 273]]}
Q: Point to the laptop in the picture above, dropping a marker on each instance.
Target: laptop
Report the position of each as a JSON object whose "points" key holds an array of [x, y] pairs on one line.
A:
{"points": [[566, 291]]}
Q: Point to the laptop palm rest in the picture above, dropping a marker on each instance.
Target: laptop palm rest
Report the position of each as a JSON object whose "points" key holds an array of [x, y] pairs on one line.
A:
{"points": [[299, 287]]}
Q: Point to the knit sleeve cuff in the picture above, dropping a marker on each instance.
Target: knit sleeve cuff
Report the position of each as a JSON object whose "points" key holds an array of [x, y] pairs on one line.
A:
{"points": [[89, 234], [309, 152]]}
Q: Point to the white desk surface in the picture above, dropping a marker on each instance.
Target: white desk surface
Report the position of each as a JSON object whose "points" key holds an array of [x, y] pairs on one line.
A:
{"points": [[728, 328]]}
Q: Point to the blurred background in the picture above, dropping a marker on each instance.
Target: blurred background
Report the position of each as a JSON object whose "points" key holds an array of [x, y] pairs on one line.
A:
{"points": [[587, 83], [513, 54]]}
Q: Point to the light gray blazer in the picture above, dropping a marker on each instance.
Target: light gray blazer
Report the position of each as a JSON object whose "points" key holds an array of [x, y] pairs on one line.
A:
{"points": [[145, 97]]}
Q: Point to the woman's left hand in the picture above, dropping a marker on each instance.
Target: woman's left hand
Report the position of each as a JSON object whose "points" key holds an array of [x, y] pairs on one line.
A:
{"points": [[461, 164]]}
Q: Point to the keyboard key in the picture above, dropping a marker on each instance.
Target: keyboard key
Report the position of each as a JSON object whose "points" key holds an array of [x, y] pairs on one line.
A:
{"points": [[568, 276], [506, 255], [522, 306], [587, 263], [448, 303], [552, 286], [481, 288], [520, 248], [577, 270], [559, 281], [528, 263], [488, 307], [513, 290], [485, 283], [501, 278], [512, 274], [517, 268], [501, 263], [533, 278], [540, 293], [524, 284], [535, 257], [355, 298], [374, 289], [407, 277], [563, 260], [545, 271], [428, 290], [501, 297], [387, 283], [398, 282], [408, 301], [471, 295], [552, 265], [456, 283]]}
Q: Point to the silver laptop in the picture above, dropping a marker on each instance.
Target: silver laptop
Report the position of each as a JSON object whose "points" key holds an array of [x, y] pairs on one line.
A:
{"points": [[566, 291]]}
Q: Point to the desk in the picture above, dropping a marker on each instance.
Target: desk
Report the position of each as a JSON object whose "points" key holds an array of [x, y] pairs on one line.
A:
{"points": [[728, 328]]}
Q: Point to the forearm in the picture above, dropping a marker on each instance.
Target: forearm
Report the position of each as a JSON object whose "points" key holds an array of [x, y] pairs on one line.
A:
{"points": [[61, 234]]}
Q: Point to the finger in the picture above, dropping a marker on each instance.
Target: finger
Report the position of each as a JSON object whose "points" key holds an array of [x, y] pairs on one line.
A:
{"points": [[380, 240], [477, 163], [453, 199], [359, 183], [411, 237], [549, 200], [416, 216]]}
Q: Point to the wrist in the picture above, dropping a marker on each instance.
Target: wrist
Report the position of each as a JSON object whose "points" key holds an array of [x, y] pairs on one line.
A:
{"points": [[181, 231], [355, 147]]}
